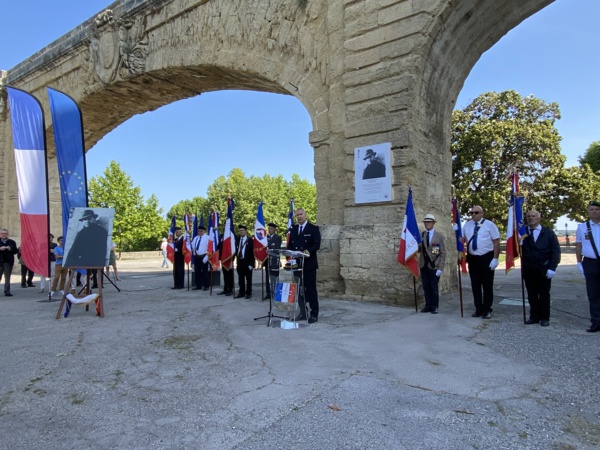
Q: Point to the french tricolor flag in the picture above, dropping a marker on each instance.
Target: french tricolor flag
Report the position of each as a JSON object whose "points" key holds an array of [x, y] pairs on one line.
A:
{"points": [[29, 141], [286, 292], [409, 239]]}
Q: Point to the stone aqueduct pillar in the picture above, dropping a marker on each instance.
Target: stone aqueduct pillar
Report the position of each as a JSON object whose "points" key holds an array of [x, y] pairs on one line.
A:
{"points": [[367, 71]]}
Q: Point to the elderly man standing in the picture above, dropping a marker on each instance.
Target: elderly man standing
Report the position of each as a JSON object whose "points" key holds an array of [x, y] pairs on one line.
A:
{"points": [[432, 257], [8, 250], [483, 244], [587, 241], [540, 255], [200, 249]]}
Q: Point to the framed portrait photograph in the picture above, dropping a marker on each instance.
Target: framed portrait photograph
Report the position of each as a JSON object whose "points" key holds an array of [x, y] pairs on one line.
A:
{"points": [[372, 173], [89, 235]]}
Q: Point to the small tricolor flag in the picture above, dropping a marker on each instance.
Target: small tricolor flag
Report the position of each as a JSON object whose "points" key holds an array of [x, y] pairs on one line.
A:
{"points": [[460, 243], [286, 292], [409, 239], [260, 235]]}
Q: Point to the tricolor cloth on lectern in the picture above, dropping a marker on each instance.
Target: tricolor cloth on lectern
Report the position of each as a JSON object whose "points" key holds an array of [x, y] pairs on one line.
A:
{"points": [[286, 292]]}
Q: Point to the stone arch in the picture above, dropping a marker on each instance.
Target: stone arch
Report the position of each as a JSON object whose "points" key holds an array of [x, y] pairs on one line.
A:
{"points": [[365, 71]]}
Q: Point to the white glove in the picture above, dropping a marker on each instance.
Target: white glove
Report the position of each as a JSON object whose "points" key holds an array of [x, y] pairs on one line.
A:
{"points": [[550, 274], [494, 264], [455, 227], [438, 273], [580, 265], [250, 267], [205, 259]]}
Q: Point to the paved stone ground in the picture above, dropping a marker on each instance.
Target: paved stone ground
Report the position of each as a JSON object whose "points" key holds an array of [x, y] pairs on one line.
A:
{"points": [[181, 369]]}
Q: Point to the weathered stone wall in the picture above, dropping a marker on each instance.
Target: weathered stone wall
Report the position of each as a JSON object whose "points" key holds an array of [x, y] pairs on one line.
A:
{"points": [[367, 71]]}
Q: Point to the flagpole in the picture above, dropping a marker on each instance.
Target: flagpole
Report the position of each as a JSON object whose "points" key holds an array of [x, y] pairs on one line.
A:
{"points": [[460, 293], [523, 296], [415, 292]]}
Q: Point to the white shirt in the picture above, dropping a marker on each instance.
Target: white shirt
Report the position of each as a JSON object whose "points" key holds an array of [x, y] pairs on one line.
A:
{"points": [[487, 234], [200, 245], [586, 244], [536, 232]]}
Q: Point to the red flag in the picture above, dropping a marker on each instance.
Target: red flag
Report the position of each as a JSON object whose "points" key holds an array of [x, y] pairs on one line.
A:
{"points": [[187, 243], [213, 241], [290, 223], [228, 246], [170, 247], [409, 239]]}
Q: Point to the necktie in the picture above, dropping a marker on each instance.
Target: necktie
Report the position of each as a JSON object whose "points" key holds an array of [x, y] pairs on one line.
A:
{"points": [[531, 230], [427, 239], [301, 229], [474, 242]]}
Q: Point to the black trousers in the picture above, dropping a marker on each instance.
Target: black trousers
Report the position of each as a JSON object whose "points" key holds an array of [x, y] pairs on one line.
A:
{"points": [[178, 272], [26, 275], [482, 281], [538, 292], [6, 270], [201, 269], [430, 287], [591, 268], [309, 293], [228, 280], [244, 279]]}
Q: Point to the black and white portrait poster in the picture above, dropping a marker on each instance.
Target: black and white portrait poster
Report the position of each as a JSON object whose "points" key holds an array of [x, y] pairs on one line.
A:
{"points": [[372, 173], [89, 235]]}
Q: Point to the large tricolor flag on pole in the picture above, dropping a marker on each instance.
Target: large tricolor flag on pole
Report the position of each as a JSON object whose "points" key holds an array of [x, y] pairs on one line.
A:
{"points": [[409, 239], [213, 241], [187, 242], [228, 246], [290, 222], [460, 243], [260, 235], [29, 141], [171, 240], [515, 227], [67, 124]]}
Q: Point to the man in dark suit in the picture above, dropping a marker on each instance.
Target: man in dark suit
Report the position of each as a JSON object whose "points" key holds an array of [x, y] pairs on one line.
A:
{"points": [[432, 258], [244, 254], [178, 260], [8, 250], [540, 255], [272, 263], [306, 237]]}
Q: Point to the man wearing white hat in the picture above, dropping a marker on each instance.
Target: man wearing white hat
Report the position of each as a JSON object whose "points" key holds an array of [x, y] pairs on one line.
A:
{"points": [[432, 258]]}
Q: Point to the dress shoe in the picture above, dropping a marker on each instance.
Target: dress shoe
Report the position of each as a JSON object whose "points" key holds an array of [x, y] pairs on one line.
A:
{"points": [[205, 289], [426, 309], [197, 289], [267, 297], [8, 294], [95, 286], [23, 285], [300, 317], [240, 296], [545, 323], [228, 294], [487, 315], [531, 321], [30, 285], [313, 319], [434, 310], [248, 296], [476, 314], [221, 293], [593, 329]]}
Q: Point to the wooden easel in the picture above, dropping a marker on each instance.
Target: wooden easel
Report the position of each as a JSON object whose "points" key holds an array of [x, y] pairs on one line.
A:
{"points": [[86, 291]]}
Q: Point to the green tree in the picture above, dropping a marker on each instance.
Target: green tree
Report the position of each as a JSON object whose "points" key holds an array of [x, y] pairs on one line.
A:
{"points": [[275, 192], [197, 205], [138, 223], [498, 134], [591, 156], [576, 187]]}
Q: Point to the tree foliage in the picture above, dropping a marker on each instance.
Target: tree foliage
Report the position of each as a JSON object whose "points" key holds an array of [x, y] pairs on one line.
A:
{"points": [[576, 187], [275, 192], [498, 134], [591, 156], [138, 223]]}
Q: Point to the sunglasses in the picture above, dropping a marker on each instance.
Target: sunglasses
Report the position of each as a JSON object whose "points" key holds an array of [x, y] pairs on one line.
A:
{"points": [[474, 212]]}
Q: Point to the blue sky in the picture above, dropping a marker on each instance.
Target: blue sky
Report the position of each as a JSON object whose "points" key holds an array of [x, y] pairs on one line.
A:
{"points": [[552, 55]]}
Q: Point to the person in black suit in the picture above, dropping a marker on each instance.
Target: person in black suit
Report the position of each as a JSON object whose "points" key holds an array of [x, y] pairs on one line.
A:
{"points": [[178, 260], [8, 250], [306, 237], [540, 255], [244, 254], [272, 263]]}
